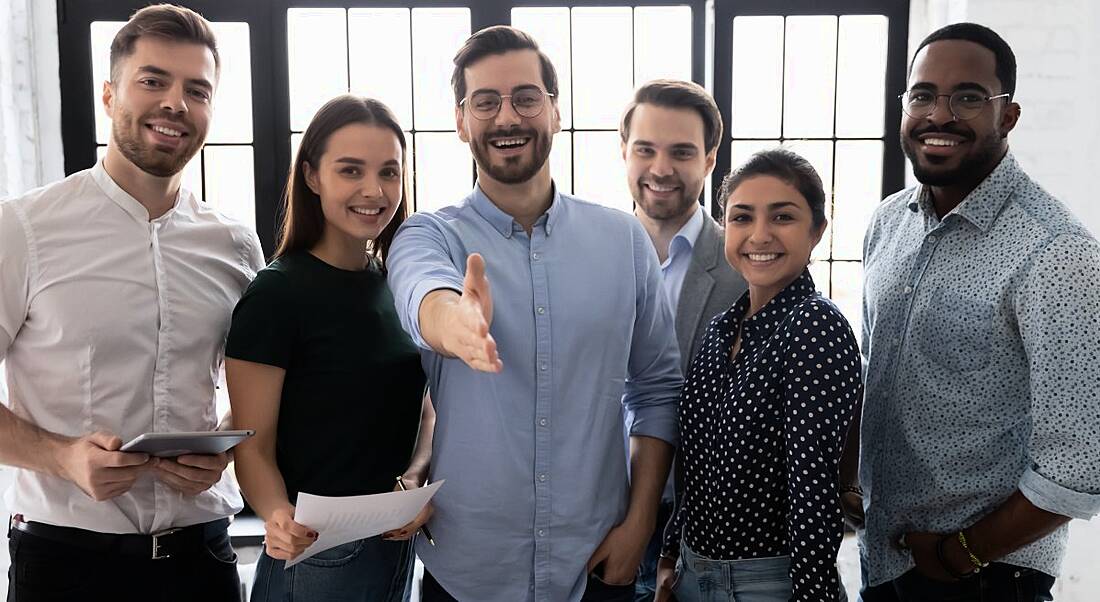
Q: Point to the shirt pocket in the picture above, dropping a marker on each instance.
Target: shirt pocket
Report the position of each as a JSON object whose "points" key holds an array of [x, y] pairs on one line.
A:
{"points": [[956, 331]]}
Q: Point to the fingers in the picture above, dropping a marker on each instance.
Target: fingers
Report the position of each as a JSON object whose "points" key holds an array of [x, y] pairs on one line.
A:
{"points": [[600, 555], [104, 440], [410, 529], [215, 462], [190, 473], [288, 538], [181, 484]]}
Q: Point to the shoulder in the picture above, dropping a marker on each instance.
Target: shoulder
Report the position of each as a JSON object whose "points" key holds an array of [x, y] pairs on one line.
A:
{"points": [[1045, 211], [46, 200], [894, 205], [817, 317]]}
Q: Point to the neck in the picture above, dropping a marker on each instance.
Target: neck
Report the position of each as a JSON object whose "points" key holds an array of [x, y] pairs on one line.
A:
{"points": [[759, 296], [157, 194], [525, 201], [946, 198], [661, 231], [341, 251]]}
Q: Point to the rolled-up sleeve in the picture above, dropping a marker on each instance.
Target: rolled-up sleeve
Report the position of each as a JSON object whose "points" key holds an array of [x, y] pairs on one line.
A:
{"points": [[16, 256], [654, 377], [419, 262], [1058, 311]]}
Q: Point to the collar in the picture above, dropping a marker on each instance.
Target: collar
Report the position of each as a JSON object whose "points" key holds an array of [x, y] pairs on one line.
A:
{"points": [[504, 223], [689, 232], [124, 199], [982, 206], [774, 312]]}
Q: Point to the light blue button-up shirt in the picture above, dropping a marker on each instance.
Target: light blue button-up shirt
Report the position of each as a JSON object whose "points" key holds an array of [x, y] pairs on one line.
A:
{"points": [[532, 456], [982, 337], [676, 264]]}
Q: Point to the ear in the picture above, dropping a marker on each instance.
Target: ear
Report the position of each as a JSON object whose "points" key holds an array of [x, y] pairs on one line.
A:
{"points": [[710, 160], [1009, 117], [622, 147], [818, 233], [555, 119], [311, 178], [107, 97], [460, 124]]}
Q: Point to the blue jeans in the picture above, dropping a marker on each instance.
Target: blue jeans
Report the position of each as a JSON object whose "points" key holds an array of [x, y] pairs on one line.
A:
{"points": [[701, 579], [367, 570]]}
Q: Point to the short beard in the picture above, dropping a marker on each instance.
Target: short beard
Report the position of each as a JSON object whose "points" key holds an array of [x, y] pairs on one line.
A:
{"points": [[513, 171], [149, 160], [972, 167], [658, 213]]}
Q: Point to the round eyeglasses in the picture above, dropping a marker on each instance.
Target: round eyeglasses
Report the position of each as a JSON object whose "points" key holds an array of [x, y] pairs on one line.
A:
{"points": [[527, 102], [963, 104]]}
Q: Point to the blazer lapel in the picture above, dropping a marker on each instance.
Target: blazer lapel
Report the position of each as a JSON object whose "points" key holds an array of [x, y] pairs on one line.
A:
{"points": [[698, 283]]}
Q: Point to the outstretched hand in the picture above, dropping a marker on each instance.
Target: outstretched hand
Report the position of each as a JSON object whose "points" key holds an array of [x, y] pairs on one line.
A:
{"points": [[466, 332]]}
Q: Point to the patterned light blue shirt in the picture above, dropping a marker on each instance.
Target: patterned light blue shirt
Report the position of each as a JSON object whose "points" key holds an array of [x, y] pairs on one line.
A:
{"points": [[533, 456], [982, 343]]}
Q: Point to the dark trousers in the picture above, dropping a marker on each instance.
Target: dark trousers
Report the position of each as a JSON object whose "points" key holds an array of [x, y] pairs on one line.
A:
{"points": [[997, 582], [46, 570], [596, 591]]}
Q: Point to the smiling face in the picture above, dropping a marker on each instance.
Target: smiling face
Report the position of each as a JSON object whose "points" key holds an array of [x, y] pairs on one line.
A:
{"points": [[508, 148], [946, 151], [160, 104], [770, 233], [359, 182], [665, 161]]}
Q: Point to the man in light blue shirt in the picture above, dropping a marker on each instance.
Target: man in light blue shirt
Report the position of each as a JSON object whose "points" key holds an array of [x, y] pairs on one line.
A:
{"points": [[981, 435], [531, 379]]}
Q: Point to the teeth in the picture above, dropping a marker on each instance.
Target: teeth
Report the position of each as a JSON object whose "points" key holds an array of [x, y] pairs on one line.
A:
{"points": [[509, 142], [762, 256], [940, 142], [659, 188], [167, 131], [366, 211]]}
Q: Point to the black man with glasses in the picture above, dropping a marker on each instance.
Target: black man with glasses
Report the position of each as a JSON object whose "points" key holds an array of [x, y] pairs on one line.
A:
{"points": [[980, 434], [541, 319]]}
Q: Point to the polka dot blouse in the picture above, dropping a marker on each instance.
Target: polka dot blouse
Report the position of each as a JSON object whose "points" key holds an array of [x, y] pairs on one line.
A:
{"points": [[761, 437]]}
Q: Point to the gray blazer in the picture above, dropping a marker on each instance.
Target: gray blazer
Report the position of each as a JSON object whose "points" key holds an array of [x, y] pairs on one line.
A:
{"points": [[710, 287]]}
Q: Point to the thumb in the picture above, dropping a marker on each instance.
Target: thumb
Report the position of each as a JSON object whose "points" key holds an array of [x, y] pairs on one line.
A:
{"points": [[598, 556], [475, 274], [105, 440]]}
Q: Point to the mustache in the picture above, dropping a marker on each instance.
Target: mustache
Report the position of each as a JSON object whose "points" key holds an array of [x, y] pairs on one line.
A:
{"points": [[665, 181], [949, 128], [510, 133]]}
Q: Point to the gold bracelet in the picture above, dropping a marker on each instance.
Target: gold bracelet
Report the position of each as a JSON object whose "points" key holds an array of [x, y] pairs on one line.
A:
{"points": [[977, 562]]}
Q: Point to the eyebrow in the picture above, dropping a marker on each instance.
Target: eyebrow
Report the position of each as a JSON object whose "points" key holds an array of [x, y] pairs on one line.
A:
{"points": [[161, 72], [677, 146], [514, 90], [771, 206], [354, 161], [958, 86]]}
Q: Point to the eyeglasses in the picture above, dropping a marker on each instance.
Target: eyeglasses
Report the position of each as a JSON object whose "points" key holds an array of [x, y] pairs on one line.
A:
{"points": [[963, 104], [527, 102]]}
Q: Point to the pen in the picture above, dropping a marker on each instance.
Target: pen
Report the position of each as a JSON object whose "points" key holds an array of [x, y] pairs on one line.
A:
{"points": [[423, 528]]}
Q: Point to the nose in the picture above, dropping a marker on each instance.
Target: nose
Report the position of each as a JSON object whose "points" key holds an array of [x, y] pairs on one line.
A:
{"points": [[941, 112], [761, 232], [370, 188], [507, 115], [661, 167], [172, 99]]}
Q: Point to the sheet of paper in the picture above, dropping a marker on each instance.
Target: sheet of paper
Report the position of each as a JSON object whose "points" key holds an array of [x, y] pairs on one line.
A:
{"points": [[338, 520]]}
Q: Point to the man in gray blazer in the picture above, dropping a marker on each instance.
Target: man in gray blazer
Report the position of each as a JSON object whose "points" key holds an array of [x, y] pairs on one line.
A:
{"points": [[670, 134]]}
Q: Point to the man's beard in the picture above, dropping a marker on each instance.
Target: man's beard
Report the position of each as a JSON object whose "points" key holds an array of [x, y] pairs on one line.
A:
{"points": [[514, 170], [972, 166], [660, 212], [127, 133]]}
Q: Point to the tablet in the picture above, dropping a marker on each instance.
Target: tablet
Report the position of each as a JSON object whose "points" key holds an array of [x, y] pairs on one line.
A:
{"points": [[170, 445]]}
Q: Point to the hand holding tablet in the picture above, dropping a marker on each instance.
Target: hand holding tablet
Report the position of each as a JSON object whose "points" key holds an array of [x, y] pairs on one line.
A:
{"points": [[171, 445]]}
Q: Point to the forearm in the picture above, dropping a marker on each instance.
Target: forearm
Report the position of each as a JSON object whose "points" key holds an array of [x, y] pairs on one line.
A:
{"points": [[261, 482], [650, 460], [433, 315], [25, 445], [1011, 526], [422, 455]]}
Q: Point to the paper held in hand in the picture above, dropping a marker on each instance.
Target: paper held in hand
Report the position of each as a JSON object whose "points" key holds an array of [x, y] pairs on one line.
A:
{"points": [[338, 520]]}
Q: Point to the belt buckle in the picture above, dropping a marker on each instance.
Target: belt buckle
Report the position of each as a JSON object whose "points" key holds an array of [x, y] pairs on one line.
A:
{"points": [[156, 542]]}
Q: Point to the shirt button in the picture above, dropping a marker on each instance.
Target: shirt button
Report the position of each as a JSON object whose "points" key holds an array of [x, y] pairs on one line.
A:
{"points": [[542, 478], [908, 290], [931, 239], [536, 256], [541, 310], [542, 532], [542, 366], [542, 422]]}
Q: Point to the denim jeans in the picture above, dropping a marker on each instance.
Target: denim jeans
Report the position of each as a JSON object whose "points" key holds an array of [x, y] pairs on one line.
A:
{"points": [[998, 582], [595, 591], [700, 579], [373, 570]]}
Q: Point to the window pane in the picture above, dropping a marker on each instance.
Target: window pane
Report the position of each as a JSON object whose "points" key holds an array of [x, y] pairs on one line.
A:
{"points": [[318, 60], [819, 271], [561, 162], [550, 28], [102, 32], [847, 292], [437, 34], [444, 170], [604, 79], [232, 120], [861, 78], [662, 43], [381, 60], [757, 77], [820, 155], [230, 183], [741, 150], [858, 192], [600, 176], [810, 77]]}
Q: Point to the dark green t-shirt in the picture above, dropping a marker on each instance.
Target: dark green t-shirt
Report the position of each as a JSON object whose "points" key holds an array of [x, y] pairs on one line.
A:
{"points": [[352, 394]]}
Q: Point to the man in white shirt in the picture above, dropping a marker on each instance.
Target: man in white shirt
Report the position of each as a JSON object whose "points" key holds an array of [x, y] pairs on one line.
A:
{"points": [[116, 290], [670, 133]]}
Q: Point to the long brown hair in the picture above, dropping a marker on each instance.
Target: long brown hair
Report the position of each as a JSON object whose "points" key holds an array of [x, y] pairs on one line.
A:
{"points": [[303, 221]]}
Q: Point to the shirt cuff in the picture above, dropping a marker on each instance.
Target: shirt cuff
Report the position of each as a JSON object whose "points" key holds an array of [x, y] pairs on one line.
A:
{"points": [[421, 290], [658, 422], [1052, 497]]}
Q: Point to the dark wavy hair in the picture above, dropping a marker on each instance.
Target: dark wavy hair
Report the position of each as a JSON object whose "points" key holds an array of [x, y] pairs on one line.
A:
{"points": [[303, 220], [987, 38], [499, 39]]}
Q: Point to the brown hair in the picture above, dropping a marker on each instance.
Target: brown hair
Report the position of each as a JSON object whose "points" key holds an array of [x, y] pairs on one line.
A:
{"points": [[783, 165], [303, 220], [165, 21], [499, 39], [677, 94]]}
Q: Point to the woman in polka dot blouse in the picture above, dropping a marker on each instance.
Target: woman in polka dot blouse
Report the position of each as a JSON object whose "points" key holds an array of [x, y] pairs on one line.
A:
{"points": [[764, 409]]}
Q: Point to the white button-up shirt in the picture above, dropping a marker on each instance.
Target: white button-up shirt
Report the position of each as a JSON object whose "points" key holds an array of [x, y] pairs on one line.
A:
{"points": [[112, 321]]}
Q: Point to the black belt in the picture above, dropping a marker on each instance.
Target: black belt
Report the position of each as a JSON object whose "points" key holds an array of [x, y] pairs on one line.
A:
{"points": [[156, 546]]}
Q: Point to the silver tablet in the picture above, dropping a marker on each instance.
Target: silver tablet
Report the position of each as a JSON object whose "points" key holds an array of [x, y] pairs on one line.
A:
{"points": [[170, 445]]}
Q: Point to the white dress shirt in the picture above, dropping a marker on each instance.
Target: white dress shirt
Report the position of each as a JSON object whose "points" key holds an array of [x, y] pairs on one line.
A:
{"points": [[110, 321]]}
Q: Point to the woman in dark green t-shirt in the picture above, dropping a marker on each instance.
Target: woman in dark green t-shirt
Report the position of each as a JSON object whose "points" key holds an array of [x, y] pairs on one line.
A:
{"points": [[318, 365]]}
